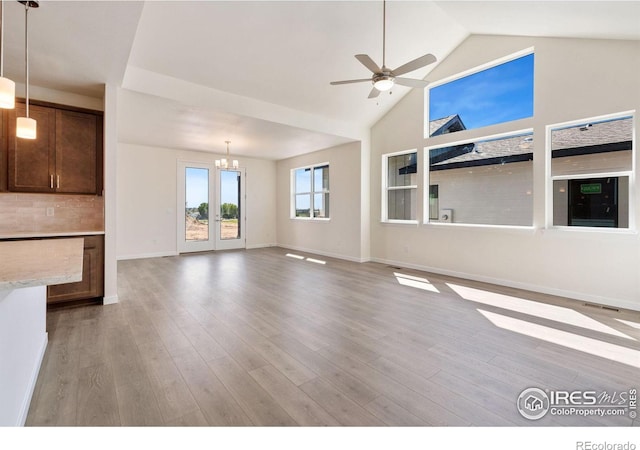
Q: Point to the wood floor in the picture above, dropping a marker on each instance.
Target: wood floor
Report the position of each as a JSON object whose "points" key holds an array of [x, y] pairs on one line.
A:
{"points": [[261, 338]]}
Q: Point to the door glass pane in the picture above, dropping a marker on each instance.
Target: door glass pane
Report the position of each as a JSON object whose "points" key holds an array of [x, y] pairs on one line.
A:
{"points": [[196, 204], [230, 204]]}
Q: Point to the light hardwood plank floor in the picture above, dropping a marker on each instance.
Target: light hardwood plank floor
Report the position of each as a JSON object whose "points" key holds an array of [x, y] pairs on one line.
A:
{"points": [[259, 338]]}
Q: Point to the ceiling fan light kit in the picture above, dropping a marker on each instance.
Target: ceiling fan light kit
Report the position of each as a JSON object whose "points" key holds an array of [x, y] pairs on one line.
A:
{"points": [[383, 82], [383, 78]]}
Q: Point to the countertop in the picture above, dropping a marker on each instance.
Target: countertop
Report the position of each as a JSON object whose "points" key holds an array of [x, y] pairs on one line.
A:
{"points": [[40, 262], [39, 234]]}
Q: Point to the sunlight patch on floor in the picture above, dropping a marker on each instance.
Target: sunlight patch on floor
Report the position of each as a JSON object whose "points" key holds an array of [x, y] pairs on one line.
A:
{"points": [[313, 260], [415, 282], [629, 323], [543, 310], [584, 344]]}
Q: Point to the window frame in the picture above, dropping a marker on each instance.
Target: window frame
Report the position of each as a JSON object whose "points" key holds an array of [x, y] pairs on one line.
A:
{"points": [[472, 71], [427, 179], [311, 193], [384, 217], [549, 178]]}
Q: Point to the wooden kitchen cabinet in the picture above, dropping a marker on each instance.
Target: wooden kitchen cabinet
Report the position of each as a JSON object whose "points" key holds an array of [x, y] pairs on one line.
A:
{"points": [[92, 284], [32, 161], [65, 157]]}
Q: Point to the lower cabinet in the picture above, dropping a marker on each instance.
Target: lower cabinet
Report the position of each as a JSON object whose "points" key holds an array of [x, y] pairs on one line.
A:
{"points": [[92, 284]]}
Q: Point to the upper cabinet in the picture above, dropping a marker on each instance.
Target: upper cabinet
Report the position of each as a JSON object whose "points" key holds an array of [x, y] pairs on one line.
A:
{"points": [[65, 157]]}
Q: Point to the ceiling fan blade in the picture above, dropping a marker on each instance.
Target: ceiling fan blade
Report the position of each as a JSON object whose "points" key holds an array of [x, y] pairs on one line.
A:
{"points": [[415, 64], [368, 63], [374, 93], [350, 81], [410, 82]]}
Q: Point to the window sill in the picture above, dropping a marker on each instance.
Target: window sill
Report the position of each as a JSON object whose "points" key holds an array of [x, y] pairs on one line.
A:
{"points": [[310, 219], [480, 226], [592, 230], [399, 222]]}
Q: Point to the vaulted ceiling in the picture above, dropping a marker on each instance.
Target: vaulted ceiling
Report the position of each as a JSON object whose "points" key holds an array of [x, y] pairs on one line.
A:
{"points": [[196, 73]]}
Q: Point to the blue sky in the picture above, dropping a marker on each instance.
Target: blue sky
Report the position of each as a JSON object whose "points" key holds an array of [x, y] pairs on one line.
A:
{"points": [[500, 94], [197, 183]]}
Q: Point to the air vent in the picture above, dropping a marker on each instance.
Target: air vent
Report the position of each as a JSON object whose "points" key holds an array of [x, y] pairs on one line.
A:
{"points": [[608, 308]]}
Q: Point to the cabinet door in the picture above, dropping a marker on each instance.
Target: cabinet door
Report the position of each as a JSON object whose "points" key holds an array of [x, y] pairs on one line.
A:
{"points": [[76, 152], [32, 161], [92, 284]]}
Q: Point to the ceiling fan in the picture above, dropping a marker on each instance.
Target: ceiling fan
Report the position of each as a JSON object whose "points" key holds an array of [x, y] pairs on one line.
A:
{"points": [[384, 78]]}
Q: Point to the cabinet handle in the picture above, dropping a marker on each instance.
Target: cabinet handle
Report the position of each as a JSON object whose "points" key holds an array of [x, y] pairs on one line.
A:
{"points": [[51, 181], [57, 181]]}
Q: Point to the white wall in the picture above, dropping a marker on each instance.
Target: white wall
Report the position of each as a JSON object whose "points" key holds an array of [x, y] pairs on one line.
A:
{"points": [[341, 235], [146, 199], [23, 340], [574, 79]]}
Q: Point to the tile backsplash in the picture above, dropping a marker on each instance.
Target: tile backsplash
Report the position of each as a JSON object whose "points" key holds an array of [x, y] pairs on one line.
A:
{"points": [[50, 213]]}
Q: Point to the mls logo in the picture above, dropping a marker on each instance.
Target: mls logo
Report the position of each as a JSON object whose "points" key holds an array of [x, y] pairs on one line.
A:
{"points": [[533, 403]]}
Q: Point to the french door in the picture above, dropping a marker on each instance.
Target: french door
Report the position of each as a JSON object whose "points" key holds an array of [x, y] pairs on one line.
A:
{"points": [[230, 216], [210, 208]]}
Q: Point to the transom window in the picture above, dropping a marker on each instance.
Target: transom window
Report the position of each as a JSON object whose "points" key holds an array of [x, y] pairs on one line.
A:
{"points": [[310, 199], [501, 93]]}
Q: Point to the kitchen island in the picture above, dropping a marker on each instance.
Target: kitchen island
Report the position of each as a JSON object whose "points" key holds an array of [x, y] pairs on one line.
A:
{"points": [[26, 268]]}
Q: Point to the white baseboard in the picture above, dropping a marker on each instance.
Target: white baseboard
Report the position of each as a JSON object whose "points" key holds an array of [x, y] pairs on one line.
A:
{"points": [[578, 296], [111, 300], [24, 410], [254, 246], [323, 253], [146, 255]]}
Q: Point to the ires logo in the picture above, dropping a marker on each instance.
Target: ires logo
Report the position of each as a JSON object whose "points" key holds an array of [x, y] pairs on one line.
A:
{"points": [[535, 403], [574, 398]]}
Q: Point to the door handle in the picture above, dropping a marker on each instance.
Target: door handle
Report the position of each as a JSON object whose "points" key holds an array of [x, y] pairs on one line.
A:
{"points": [[51, 181], [57, 181]]}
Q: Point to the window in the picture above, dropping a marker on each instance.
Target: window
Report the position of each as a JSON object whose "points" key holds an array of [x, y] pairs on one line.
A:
{"points": [[487, 182], [499, 94], [434, 211], [311, 192], [591, 168], [400, 175]]}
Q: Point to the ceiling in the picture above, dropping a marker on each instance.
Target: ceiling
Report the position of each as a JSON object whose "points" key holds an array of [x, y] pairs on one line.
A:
{"points": [[196, 73]]}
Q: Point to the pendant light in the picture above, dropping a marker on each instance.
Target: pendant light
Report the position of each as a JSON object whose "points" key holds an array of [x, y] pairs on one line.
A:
{"points": [[26, 126], [224, 162], [7, 86]]}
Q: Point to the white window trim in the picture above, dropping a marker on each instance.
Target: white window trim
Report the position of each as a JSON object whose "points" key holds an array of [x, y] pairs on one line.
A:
{"points": [[474, 70], [549, 179], [426, 176], [384, 213], [292, 188]]}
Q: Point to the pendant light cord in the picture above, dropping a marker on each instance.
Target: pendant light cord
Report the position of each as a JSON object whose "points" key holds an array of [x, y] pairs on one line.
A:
{"points": [[26, 55], [1, 38]]}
